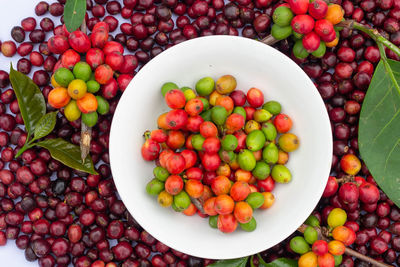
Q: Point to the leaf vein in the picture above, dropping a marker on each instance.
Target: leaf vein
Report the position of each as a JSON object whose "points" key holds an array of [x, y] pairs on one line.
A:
{"points": [[389, 155], [380, 102], [386, 125]]}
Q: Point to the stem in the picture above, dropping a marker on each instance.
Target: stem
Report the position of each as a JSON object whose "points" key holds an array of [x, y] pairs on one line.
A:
{"points": [[198, 204], [387, 66], [22, 150], [373, 33], [345, 179], [362, 257], [251, 261], [86, 132], [261, 260], [86, 138], [322, 234], [269, 40]]}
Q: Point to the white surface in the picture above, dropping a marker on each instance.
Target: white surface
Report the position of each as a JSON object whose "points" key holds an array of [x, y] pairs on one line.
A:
{"points": [[253, 64], [11, 14]]}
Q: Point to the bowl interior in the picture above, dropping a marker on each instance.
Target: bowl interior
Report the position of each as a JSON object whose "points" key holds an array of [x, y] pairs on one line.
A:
{"points": [[254, 65]]}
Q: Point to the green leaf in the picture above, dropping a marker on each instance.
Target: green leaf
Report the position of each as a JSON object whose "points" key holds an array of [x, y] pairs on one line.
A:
{"points": [[30, 99], [68, 154], [241, 262], [74, 14], [281, 262], [45, 125], [379, 130]]}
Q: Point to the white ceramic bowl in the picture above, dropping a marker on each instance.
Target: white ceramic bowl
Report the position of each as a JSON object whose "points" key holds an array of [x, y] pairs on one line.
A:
{"points": [[254, 65]]}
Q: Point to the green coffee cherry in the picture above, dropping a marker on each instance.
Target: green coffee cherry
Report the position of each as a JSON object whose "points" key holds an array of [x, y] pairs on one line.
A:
{"points": [[154, 187], [269, 131], [320, 52], [261, 171], [197, 142], [255, 140], [82, 71], [182, 200], [299, 245], [282, 16], [270, 153], [63, 77], [102, 105], [299, 51], [312, 221], [90, 119], [255, 200], [281, 174], [92, 86], [250, 226], [205, 86], [219, 115], [274, 107], [160, 173], [229, 142], [246, 160], [212, 221], [338, 259], [262, 115], [310, 235], [281, 32], [206, 115]]}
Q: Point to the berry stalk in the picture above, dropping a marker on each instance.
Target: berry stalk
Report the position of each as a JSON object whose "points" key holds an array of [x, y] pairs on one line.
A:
{"points": [[323, 235], [86, 132], [269, 40], [373, 33]]}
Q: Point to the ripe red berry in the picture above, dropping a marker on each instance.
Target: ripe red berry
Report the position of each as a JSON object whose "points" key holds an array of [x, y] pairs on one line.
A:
{"points": [[79, 41], [175, 99], [320, 247], [113, 46], [348, 193], [369, 193], [311, 42], [176, 164], [176, 119], [331, 187], [95, 57], [302, 24], [299, 6], [70, 58], [211, 162], [318, 9], [324, 29], [103, 74], [115, 60], [150, 150], [58, 44]]}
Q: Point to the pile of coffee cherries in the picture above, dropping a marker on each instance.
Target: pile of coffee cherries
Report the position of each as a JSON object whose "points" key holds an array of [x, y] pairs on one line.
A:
{"points": [[216, 149], [323, 252], [103, 60], [145, 28], [312, 25]]}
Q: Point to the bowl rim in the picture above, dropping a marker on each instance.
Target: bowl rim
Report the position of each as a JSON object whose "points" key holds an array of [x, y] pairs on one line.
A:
{"points": [[325, 122]]}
